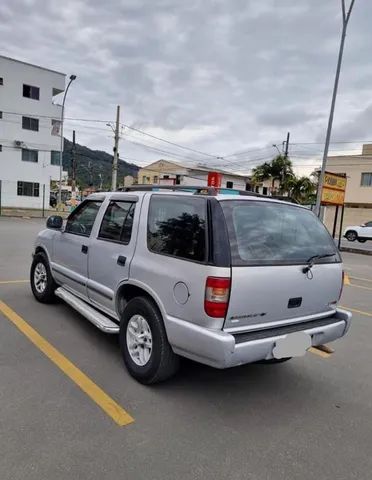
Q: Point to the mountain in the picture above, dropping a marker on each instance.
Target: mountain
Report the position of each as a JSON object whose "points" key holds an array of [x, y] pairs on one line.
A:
{"points": [[91, 163]]}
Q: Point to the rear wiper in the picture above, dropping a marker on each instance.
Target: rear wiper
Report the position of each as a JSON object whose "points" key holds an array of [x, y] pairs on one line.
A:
{"points": [[310, 261]]}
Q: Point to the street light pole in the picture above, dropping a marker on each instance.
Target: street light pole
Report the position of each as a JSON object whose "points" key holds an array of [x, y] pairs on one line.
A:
{"points": [[345, 21], [72, 78]]}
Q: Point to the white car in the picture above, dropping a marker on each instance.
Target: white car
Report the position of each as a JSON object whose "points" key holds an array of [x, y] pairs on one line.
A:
{"points": [[362, 232]]}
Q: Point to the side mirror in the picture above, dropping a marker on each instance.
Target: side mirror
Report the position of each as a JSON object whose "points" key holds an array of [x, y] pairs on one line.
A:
{"points": [[55, 222], [363, 225]]}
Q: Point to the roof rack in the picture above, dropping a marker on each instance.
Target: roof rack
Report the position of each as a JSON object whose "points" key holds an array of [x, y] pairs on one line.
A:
{"points": [[196, 190]]}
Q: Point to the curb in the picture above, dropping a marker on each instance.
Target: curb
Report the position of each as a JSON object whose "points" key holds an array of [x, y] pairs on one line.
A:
{"points": [[356, 250]]}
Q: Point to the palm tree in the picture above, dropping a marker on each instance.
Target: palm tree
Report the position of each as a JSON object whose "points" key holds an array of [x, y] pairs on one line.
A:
{"points": [[280, 168], [301, 189]]}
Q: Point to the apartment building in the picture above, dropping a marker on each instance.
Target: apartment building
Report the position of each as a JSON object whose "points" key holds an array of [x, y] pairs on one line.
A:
{"points": [[29, 132]]}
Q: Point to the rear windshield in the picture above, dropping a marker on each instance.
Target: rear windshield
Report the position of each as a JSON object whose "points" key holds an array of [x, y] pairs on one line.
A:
{"points": [[268, 233]]}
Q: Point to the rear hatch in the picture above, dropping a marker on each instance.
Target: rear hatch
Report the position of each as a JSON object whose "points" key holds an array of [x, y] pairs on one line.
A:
{"points": [[271, 244]]}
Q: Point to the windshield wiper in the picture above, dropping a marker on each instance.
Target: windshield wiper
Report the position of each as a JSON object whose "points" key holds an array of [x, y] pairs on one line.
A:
{"points": [[310, 261]]}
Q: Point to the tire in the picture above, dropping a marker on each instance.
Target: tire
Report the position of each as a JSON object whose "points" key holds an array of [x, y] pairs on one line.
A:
{"points": [[351, 235], [362, 240], [151, 364], [274, 360], [44, 290]]}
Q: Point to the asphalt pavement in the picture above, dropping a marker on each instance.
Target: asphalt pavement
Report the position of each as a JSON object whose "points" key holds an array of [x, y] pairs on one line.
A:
{"points": [[304, 419]]}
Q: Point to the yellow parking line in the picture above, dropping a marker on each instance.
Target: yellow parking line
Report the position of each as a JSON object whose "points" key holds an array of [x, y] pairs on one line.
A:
{"points": [[359, 286], [368, 314], [346, 279], [362, 279], [6, 282], [320, 353], [108, 405]]}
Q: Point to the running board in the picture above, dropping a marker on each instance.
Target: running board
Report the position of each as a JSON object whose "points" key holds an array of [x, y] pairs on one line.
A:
{"points": [[98, 319]]}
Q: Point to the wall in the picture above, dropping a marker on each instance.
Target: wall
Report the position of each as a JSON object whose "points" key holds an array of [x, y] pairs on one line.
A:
{"points": [[12, 168], [353, 166], [352, 216]]}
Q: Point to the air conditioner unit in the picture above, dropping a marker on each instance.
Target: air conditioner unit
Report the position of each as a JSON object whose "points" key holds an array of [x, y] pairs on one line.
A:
{"points": [[18, 143]]}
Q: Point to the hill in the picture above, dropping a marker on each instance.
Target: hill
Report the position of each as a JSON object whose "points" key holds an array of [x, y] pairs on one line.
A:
{"points": [[92, 164]]}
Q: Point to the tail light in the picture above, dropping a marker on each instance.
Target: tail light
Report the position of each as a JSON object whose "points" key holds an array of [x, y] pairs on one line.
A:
{"points": [[217, 292]]}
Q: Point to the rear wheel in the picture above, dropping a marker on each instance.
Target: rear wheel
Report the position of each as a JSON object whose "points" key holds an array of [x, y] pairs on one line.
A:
{"points": [[146, 351], [351, 236], [41, 279]]}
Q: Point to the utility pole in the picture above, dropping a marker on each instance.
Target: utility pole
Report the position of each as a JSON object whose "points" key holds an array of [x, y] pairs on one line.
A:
{"points": [[345, 21], [116, 151], [73, 181], [286, 146]]}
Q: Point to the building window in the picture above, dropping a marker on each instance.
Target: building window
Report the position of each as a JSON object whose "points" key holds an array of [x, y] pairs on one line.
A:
{"points": [[229, 184], [1, 114], [29, 123], [144, 179], [54, 157], [28, 189], [31, 92], [156, 179], [1, 81], [257, 189], [1, 148], [264, 190], [30, 155], [366, 180], [56, 127]]}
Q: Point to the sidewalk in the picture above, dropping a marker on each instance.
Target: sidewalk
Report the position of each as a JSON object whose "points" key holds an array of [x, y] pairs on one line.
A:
{"points": [[31, 212]]}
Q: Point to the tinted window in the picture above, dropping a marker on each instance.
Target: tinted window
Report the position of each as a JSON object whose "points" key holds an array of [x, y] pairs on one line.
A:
{"points": [[81, 221], [263, 233], [30, 155], [28, 189], [29, 123], [54, 157], [31, 92], [117, 222], [176, 226]]}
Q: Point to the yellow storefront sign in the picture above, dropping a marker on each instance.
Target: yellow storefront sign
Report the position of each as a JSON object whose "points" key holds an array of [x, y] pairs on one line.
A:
{"points": [[334, 186]]}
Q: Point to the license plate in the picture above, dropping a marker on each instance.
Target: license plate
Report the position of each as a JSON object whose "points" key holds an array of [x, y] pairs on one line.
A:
{"points": [[292, 345]]}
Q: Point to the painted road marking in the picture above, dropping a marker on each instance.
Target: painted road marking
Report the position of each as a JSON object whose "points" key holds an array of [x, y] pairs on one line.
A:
{"points": [[360, 278], [320, 353], [108, 405], [6, 282], [359, 286], [367, 314]]}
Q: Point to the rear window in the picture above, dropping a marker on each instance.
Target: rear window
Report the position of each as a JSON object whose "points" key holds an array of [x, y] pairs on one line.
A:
{"points": [[265, 233], [177, 227]]}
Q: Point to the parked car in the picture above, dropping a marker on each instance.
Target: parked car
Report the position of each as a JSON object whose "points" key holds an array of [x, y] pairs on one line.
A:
{"points": [[362, 232], [221, 279]]}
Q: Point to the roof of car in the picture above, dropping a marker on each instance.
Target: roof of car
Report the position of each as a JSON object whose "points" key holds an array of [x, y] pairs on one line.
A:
{"points": [[219, 194]]}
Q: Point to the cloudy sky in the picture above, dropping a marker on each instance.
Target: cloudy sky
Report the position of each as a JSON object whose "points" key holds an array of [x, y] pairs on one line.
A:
{"points": [[218, 76]]}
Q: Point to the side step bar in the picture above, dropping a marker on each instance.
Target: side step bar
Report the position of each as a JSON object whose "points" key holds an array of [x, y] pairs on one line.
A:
{"points": [[98, 319]]}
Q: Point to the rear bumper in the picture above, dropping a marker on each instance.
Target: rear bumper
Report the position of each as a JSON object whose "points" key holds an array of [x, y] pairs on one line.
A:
{"points": [[222, 350]]}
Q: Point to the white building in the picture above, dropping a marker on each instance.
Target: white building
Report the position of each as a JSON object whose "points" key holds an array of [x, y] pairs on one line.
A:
{"points": [[29, 145], [166, 172]]}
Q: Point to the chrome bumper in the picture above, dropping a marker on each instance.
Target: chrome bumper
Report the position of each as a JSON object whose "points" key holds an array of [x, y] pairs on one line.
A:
{"points": [[220, 349]]}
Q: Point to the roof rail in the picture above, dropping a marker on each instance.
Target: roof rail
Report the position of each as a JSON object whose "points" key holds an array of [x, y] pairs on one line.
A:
{"points": [[195, 189]]}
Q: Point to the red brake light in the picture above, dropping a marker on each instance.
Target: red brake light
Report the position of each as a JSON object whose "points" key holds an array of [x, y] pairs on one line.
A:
{"points": [[217, 292]]}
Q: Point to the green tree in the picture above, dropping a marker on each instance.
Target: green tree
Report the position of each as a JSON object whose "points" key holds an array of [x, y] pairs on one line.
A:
{"points": [[301, 189], [280, 168]]}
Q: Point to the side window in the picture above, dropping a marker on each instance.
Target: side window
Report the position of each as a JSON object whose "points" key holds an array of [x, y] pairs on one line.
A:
{"points": [[177, 227], [117, 222], [81, 221]]}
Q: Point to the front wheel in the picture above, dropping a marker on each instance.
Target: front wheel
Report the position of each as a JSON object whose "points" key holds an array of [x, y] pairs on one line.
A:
{"points": [[41, 279], [351, 236], [146, 351]]}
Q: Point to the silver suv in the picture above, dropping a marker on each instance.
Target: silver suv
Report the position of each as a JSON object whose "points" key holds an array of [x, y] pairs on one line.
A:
{"points": [[223, 279]]}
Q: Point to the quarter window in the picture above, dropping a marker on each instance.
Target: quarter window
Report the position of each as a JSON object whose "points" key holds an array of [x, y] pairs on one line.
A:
{"points": [[31, 92], [28, 189], [117, 222], [366, 180], [30, 155], [177, 227], [81, 221], [29, 123]]}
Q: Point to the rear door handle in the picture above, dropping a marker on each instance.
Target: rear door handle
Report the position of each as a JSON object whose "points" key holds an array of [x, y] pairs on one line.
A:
{"points": [[121, 260], [84, 248]]}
